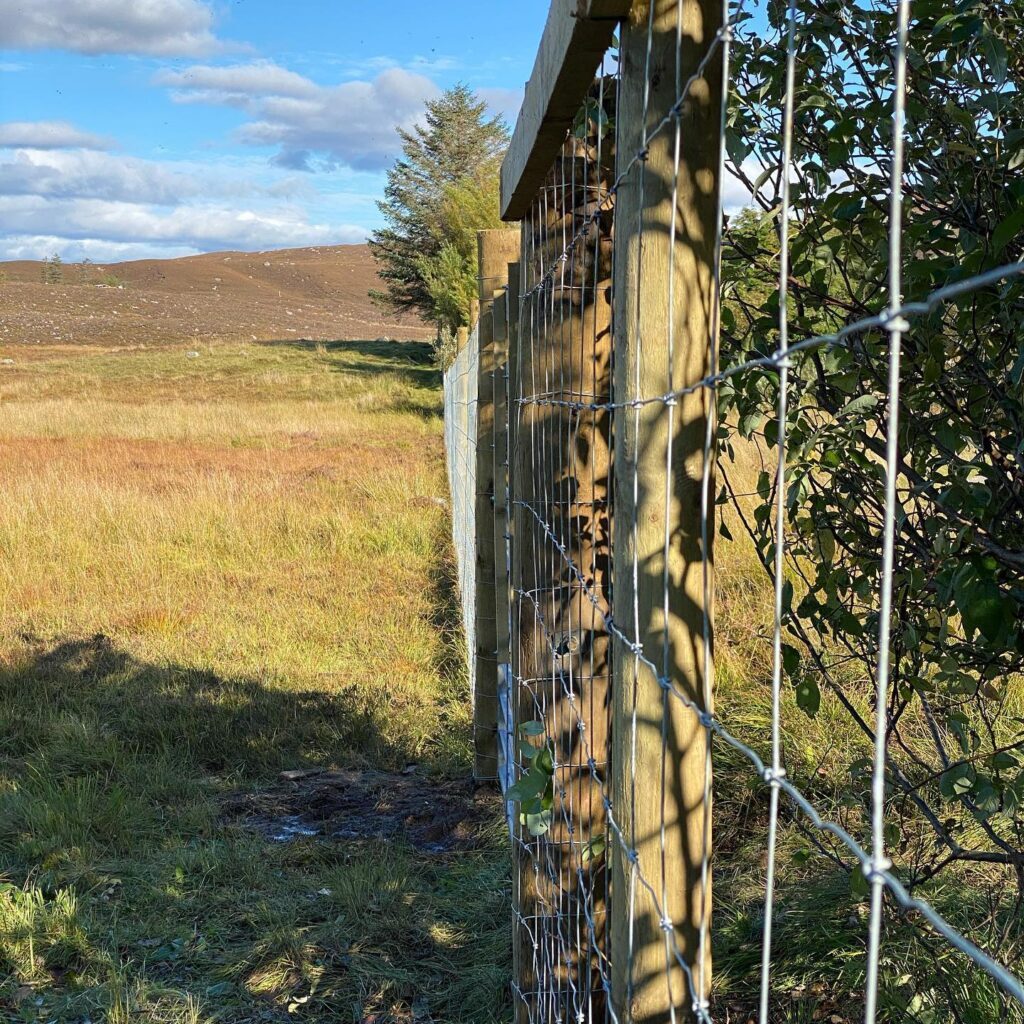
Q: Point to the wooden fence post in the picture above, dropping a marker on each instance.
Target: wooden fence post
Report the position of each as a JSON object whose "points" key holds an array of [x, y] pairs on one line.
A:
{"points": [[506, 749], [500, 317], [561, 651], [658, 283], [495, 249]]}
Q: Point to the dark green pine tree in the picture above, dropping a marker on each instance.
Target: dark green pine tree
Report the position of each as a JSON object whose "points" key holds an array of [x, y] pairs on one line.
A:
{"points": [[455, 139]]}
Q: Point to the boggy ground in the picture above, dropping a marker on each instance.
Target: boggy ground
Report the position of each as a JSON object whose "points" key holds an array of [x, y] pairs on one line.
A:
{"points": [[216, 569]]}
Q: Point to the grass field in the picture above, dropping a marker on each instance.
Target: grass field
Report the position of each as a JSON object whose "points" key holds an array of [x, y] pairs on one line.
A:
{"points": [[216, 568], [220, 566]]}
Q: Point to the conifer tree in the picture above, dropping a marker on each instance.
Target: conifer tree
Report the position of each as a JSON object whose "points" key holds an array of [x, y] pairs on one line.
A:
{"points": [[438, 194]]}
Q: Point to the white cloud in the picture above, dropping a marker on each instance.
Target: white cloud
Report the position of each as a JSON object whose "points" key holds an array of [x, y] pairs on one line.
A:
{"points": [[235, 83], [504, 102], [100, 204], [202, 227], [49, 135], [74, 250], [88, 174], [352, 124], [163, 28]]}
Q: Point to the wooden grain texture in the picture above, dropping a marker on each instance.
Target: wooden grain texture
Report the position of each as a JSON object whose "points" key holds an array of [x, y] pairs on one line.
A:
{"points": [[576, 35], [495, 248], [561, 655], [661, 281], [501, 596]]}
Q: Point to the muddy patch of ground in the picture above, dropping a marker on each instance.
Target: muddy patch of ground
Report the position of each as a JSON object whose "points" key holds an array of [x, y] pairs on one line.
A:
{"points": [[355, 805]]}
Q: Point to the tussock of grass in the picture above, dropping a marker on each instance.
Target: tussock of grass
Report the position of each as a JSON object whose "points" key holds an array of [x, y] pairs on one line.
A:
{"points": [[214, 569]]}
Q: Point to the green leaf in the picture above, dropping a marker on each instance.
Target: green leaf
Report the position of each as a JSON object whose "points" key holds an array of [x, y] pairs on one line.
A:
{"points": [[808, 696], [538, 823], [1007, 230], [987, 610], [544, 762], [859, 885], [531, 729], [736, 146], [860, 405], [790, 659], [528, 787], [996, 55], [956, 781]]}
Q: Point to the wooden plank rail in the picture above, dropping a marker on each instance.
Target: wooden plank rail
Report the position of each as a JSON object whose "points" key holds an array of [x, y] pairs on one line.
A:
{"points": [[576, 36]]}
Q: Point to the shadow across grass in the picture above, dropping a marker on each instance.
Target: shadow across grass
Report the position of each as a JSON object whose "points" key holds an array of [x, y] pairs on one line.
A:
{"points": [[411, 361], [129, 897]]}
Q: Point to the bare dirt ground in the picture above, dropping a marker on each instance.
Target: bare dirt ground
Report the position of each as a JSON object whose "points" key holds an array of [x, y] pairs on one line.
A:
{"points": [[353, 805], [318, 293]]}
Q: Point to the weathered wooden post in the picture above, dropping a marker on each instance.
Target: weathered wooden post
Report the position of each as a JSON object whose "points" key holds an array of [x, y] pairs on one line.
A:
{"points": [[561, 651], [495, 249], [665, 231]]}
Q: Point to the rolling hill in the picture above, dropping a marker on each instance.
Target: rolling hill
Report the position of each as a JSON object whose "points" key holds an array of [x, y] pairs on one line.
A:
{"points": [[318, 293]]}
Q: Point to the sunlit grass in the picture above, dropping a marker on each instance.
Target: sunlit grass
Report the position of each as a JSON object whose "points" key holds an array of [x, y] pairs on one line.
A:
{"points": [[215, 568]]}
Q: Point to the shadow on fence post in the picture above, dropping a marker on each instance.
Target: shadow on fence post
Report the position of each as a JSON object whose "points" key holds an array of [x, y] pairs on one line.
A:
{"points": [[495, 249], [664, 301]]}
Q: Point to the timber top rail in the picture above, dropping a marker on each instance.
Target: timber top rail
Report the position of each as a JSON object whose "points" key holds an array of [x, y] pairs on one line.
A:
{"points": [[576, 36]]}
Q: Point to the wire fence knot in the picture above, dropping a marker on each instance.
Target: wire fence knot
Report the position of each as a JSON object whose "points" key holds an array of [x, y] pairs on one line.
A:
{"points": [[894, 320], [875, 869]]}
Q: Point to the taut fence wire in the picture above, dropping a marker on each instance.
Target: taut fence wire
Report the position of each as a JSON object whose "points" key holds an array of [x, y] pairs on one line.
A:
{"points": [[622, 379]]}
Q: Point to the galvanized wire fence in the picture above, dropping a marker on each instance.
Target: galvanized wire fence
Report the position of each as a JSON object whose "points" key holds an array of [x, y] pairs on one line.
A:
{"points": [[615, 386], [460, 423]]}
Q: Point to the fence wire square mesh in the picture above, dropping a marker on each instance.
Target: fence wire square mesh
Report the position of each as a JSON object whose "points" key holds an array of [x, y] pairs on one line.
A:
{"points": [[460, 433], [661, 368]]}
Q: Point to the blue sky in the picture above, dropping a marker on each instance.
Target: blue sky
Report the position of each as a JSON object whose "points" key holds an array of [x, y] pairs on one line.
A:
{"points": [[137, 128]]}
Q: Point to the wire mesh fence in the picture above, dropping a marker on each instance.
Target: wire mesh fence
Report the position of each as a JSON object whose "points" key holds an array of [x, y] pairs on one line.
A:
{"points": [[826, 363], [460, 429]]}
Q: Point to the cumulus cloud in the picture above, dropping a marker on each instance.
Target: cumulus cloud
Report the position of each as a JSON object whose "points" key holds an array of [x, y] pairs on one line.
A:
{"points": [[74, 250], [88, 174], [235, 84], [49, 135], [165, 28], [352, 124], [99, 204], [202, 227]]}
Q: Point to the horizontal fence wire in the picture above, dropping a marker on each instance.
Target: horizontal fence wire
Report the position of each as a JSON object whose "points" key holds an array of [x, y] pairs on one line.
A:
{"points": [[565, 485]]}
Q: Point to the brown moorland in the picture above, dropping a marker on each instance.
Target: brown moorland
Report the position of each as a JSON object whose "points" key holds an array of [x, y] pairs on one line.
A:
{"points": [[315, 293]]}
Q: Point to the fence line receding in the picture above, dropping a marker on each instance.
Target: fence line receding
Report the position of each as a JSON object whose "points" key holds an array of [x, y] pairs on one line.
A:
{"points": [[661, 344]]}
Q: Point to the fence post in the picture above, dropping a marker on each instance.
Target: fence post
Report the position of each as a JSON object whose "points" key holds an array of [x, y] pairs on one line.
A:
{"points": [[664, 281], [561, 652], [495, 248], [506, 751]]}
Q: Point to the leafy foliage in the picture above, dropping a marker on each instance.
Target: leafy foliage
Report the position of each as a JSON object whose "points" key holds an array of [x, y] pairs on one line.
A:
{"points": [[956, 740], [438, 195]]}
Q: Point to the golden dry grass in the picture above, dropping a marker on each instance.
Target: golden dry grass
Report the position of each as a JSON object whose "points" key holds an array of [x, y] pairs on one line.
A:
{"points": [[214, 568]]}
